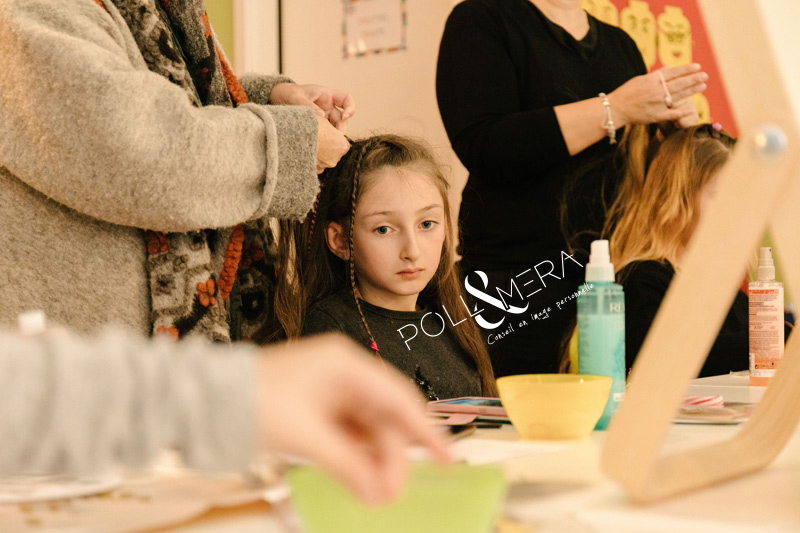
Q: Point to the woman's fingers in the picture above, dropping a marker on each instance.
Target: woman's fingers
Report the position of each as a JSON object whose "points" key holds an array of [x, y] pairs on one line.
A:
{"points": [[344, 458], [682, 82], [688, 93], [692, 119], [685, 114], [331, 145], [391, 463], [671, 73], [682, 88], [345, 102], [391, 400], [654, 97], [670, 95], [336, 118]]}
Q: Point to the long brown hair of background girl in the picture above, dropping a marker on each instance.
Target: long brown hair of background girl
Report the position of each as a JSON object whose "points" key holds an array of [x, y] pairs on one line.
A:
{"points": [[653, 217], [656, 205], [592, 193], [319, 273]]}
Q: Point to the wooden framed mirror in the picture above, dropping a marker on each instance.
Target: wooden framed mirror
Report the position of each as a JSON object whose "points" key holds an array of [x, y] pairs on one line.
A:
{"points": [[754, 42]]}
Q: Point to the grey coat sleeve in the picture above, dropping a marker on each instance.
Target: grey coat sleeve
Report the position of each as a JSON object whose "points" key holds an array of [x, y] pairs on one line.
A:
{"points": [[76, 406], [83, 121], [259, 86]]}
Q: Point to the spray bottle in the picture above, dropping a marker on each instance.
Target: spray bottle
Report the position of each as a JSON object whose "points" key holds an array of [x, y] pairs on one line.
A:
{"points": [[601, 327], [766, 321]]}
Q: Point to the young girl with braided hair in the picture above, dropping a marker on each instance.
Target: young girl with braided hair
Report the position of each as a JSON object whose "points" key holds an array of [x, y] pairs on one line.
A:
{"points": [[375, 260]]}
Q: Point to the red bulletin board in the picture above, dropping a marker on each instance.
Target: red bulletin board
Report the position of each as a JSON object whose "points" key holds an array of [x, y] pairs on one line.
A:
{"points": [[609, 10]]}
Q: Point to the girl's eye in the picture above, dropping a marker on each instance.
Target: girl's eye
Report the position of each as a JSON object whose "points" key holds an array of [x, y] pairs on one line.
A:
{"points": [[382, 230], [428, 224]]}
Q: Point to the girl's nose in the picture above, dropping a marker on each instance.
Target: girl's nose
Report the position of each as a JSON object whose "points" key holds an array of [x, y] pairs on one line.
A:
{"points": [[410, 249]]}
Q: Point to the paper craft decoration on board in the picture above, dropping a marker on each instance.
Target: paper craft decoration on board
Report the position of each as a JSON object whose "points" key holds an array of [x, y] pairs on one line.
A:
{"points": [[640, 23], [373, 26], [674, 37], [602, 10], [703, 109]]}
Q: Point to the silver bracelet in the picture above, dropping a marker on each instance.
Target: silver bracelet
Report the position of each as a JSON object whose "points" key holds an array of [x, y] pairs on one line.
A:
{"points": [[608, 123]]}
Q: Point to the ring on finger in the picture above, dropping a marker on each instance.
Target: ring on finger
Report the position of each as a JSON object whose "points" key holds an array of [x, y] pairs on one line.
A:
{"points": [[667, 96]]}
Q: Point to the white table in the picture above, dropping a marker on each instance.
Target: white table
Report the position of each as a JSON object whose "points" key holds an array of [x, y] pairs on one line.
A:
{"points": [[552, 489], [565, 492]]}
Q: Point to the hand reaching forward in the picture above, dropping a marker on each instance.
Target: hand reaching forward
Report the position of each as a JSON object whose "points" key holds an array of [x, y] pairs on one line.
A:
{"points": [[324, 399]]}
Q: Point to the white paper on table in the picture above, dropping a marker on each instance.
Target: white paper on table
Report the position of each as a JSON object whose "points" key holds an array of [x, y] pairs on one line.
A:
{"points": [[479, 451], [635, 521]]}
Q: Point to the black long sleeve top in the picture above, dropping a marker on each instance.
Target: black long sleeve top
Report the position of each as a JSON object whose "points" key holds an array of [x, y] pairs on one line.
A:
{"points": [[502, 68], [450, 371], [645, 284]]}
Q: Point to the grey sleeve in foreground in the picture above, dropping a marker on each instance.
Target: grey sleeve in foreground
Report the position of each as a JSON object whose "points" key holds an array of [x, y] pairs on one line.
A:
{"points": [[259, 86], [137, 152], [71, 405]]}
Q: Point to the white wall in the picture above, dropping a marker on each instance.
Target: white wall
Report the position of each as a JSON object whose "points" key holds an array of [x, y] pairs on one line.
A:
{"points": [[393, 91], [255, 38]]}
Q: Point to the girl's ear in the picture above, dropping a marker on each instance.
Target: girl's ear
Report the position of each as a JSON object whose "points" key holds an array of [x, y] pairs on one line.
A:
{"points": [[336, 237]]}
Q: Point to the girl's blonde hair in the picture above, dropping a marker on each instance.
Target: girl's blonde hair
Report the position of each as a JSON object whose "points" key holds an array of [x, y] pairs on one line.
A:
{"points": [[310, 271], [657, 205]]}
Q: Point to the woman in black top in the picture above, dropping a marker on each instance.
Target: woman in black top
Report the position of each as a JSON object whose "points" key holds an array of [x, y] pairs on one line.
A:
{"points": [[518, 84]]}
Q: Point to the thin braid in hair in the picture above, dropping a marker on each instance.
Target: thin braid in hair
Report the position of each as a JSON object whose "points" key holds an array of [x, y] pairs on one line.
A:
{"points": [[312, 223], [351, 262]]}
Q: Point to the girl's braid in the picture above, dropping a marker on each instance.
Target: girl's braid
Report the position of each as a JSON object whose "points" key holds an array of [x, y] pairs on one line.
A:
{"points": [[364, 148], [313, 218]]}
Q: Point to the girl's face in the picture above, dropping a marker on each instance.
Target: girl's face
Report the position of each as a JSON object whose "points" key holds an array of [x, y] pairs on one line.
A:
{"points": [[398, 236], [708, 192]]}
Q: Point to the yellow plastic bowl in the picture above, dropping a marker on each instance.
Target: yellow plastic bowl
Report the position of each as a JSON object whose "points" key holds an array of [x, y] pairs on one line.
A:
{"points": [[554, 406]]}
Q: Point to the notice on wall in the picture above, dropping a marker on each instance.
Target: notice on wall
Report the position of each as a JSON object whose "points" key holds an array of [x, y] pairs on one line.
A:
{"points": [[373, 26]]}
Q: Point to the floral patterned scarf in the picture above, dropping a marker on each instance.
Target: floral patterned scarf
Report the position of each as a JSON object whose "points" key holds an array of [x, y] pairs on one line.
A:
{"points": [[217, 283]]}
